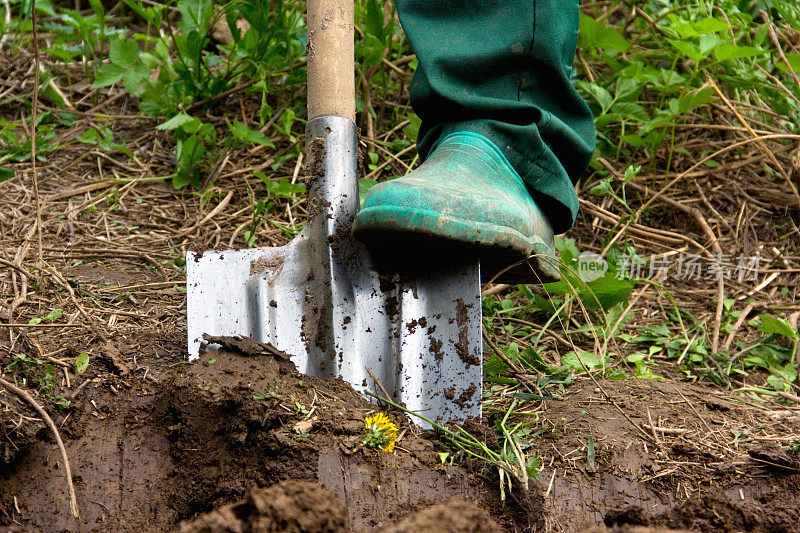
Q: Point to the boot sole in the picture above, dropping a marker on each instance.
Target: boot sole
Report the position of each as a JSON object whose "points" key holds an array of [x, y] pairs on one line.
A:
{"points": [[504, 253]]}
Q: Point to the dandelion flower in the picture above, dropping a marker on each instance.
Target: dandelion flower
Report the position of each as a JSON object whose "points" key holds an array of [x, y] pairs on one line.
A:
{"points": [[379, 432]]}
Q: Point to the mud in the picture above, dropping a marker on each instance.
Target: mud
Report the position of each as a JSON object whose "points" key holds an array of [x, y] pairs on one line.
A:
{"points": [[290, 506], [262, 264], [462, 345], [153, 454], [452, 516], [241, 442]]}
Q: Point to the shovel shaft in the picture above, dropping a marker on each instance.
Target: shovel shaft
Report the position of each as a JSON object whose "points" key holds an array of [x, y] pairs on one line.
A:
{"points": [[331, 64]]}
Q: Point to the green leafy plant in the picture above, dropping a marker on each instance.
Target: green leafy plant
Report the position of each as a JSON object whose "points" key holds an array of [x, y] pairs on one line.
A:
{"points": [[20, 360], [511, 461], [55, 314], [47, 385], [380, 433], [81, 363], [780, 361]]}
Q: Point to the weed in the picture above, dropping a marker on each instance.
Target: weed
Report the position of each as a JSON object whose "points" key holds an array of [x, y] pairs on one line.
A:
{"points": [[379, 433], [55, 314], [511, 462], [260, 208], [18, 360], [81, 363], [271, 394], [47, 385], [300, 408], [590, 453]]}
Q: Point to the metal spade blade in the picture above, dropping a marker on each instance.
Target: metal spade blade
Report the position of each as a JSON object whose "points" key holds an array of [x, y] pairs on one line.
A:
{"points": [[324, 299]]}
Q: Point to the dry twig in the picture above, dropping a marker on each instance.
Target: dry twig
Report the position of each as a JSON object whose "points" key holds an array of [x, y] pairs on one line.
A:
{"points": [[73, 502]]}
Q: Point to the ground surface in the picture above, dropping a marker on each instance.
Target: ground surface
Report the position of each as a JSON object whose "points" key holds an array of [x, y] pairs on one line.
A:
{"points": [[147, 454], [240, 442]]}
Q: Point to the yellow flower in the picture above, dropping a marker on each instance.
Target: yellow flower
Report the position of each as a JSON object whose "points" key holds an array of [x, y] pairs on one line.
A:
{"points": [[379, 432]]}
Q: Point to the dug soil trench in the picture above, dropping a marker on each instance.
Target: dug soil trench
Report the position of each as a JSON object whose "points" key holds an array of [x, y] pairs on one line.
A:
{"points": [[241, 442]]}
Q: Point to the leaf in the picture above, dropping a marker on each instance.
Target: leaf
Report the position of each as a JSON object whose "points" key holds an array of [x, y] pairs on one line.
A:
{"points": [[532, 465], [787, 372], [6, 174], [123, 52], [615, 314], [177, 121], [691, 101], [684, 30], [412, 130], [567, 248], [55, 314], [608, 290], [779, 326], [626, 87], [364, 185], [97, 7], [727, 51], [612, 38], [595, 34], [370, 51], [710, 25], [600, 94], [373, 21], [630, 111], [708, 43], [670, 77], [794, 62], [284, 188], [589, 360], [494, 366], [91, 136], [195, 15], [81, 363], [531, 358], [636, 357], [767, 356], [107, 74], [135, 79], [688, 49], [244, 133], [634, 140], [589, 30], [602, 189]]}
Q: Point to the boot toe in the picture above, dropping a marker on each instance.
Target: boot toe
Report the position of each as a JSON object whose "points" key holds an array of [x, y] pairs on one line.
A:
{"points": [[465, 199]]}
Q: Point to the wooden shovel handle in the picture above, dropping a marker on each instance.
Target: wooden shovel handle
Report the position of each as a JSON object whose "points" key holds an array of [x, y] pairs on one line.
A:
{"points": [[331, 63]]}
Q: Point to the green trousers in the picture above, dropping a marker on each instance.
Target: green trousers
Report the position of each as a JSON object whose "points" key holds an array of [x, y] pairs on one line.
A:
{"points": [[502, 68]]}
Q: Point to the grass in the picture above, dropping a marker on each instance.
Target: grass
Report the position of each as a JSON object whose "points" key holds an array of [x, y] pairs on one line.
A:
{"points": [[697, 108]]}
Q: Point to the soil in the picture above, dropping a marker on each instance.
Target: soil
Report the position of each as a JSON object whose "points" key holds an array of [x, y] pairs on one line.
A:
{"points": [[239, 441]]}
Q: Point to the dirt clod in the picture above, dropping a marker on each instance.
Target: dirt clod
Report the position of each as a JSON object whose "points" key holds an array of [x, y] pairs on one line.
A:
{"points": [[245, 346], [629, 515], [452, 516], [290, 507]]}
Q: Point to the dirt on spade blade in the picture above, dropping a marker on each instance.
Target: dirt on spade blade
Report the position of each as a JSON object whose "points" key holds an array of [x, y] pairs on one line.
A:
{"points": [[239, 441]]}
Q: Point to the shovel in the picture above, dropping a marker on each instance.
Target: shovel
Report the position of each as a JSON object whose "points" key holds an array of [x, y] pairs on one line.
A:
{"points": [[413, 333]]}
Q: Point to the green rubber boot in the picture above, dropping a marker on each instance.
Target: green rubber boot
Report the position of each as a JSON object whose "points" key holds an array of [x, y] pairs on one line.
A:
{"points": [[466, 198]]}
